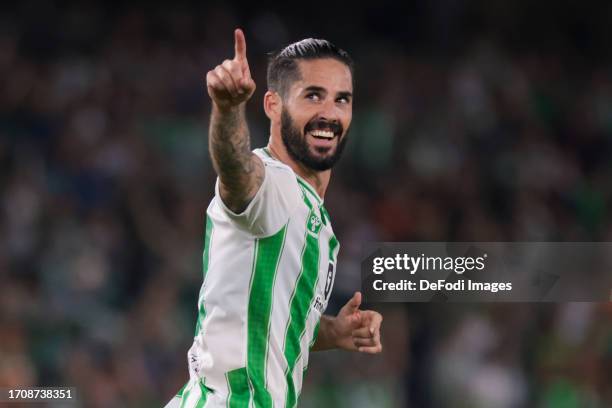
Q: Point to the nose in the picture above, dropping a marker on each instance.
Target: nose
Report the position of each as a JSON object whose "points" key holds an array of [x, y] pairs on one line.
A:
{"points": [[329, 111]]}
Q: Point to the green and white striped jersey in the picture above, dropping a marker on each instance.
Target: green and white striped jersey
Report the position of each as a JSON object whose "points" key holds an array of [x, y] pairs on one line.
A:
{"points": [[268, 275]]}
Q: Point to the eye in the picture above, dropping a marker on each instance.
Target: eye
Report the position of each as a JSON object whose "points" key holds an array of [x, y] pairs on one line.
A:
{"points": [[343, 100], [313, 96]]}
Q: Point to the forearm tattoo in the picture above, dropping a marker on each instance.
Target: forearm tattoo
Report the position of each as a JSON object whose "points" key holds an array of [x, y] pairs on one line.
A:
{"points": [[240, 171]]}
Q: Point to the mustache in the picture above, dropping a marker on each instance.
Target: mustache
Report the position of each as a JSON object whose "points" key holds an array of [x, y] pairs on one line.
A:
{"points": [[324, 125]]}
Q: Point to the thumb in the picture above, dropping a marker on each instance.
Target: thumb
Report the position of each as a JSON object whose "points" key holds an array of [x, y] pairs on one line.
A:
{"points": [[353, 304]]}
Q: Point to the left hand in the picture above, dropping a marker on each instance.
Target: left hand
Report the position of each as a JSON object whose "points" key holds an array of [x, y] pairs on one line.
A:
{"points": [[358, 330]]}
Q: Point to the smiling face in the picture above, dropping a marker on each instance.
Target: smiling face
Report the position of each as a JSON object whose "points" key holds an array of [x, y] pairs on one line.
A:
{"points": [[316, 113]]}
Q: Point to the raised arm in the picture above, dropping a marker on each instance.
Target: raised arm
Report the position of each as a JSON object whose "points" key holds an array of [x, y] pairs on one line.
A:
{"points": [[240, 171]]}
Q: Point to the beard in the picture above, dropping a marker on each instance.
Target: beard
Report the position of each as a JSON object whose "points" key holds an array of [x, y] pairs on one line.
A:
{"points": [[297, 146]]}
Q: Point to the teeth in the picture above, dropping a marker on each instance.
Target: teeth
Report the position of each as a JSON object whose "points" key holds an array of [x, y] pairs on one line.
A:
{"points": [[323, 133]]}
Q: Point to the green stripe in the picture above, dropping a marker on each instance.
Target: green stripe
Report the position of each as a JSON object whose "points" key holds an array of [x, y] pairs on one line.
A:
{"points": [[205, 264], [265, 264], [203, 396], [308, 187], [201, 400], [300, 306], [238, 385], [324, 215]]}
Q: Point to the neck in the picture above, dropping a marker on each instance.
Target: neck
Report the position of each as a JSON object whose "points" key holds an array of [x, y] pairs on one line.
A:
{"points": [[319, 180]]}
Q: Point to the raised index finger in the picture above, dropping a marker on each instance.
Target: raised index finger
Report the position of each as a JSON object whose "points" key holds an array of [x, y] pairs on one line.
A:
{"points": [[239, 45]]}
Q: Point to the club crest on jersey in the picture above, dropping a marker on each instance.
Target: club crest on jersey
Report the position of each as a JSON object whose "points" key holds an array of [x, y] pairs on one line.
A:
{"points": [[314, 223]]}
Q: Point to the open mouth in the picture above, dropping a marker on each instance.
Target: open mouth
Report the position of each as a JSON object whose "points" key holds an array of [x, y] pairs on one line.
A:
{"points": [[323, 134]]}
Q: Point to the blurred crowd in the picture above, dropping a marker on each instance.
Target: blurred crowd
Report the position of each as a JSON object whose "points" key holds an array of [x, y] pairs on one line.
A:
{"points": [[459, 133]]}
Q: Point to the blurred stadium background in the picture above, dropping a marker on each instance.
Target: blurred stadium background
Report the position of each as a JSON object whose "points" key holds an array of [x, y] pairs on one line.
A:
{"points": [[473, 121]]}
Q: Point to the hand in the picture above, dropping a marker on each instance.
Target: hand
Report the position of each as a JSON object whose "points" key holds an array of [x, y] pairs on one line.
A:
{"points": [[230, 83], [358, 330]]}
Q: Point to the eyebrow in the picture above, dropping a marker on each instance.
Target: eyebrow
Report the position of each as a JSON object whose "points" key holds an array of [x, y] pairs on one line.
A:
{"points": [[315, 88]]}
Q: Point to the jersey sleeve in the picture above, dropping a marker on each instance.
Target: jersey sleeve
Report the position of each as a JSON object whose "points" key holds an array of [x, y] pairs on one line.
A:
{"points": [[270, 209]]}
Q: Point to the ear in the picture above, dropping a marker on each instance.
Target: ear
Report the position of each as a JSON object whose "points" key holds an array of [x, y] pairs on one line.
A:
{"points": [[273, 106]]}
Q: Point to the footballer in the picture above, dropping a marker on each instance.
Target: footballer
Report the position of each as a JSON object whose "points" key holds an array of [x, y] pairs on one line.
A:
{"points": [[270, 253]]}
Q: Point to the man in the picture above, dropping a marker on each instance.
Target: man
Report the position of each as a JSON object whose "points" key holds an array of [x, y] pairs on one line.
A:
{"points": [[270, 252]]}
